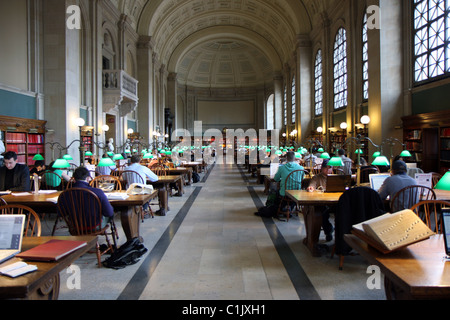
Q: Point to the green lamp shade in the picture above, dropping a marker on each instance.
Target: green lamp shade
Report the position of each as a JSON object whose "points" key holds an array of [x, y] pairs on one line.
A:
{"points": [[336, 162], [359, 151], [381, 161], [325, 155], [148, 156], [88, 154], [278, 152], [444, 183], [67, 157], [298, 155], [376, 154], [405, 153], [320, 150], [144, 151], [127, 151], [118, 156], [38, 157], [106, 162], [61, 163], [110, 153]]}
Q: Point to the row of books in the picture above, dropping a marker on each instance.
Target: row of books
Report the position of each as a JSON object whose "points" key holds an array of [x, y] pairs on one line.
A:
{"points": [[413, 145], [16, 137], [17, 148], [414, 134], [35, 138], [445, 132], [35, 149]]}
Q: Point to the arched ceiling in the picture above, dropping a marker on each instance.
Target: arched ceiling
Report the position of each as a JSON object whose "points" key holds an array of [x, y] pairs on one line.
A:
{"points": [[223, 43]]}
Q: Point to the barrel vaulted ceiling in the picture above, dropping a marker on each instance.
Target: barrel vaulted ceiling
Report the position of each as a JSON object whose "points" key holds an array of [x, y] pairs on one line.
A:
{"points": [[223, 43]]}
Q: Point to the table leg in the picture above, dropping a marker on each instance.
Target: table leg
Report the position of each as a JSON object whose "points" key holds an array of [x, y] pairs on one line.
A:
{"points": [[130, 219], [313, 224], [48, 291], [163, 201]]}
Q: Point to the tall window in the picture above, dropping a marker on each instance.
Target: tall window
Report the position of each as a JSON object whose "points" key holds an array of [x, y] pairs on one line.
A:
{"points": [[340, 69], [285, 107], [365, 60], [431, 39], [293, 99], [270, 113], [318, 84]]}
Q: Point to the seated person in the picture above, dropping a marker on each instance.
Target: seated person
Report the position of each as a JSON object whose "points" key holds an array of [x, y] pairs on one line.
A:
{"points": [[39, 167], [319, 181], [104, 171], [396, 182], [347, 168], [14, 176], [82, 177], [51, 180]]}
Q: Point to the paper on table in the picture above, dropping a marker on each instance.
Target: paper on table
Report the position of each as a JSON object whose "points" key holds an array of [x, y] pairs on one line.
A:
{"points": [[47, 191], [17, 269], [53, 199], [20, 193]]}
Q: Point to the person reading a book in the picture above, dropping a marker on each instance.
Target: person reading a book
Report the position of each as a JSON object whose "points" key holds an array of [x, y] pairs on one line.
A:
{"points": [[396, 182], [14, 176], [82, 176], [319, 181]]}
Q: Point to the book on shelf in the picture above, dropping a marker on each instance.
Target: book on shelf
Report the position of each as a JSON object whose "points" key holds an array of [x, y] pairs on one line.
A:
{"points": [[52, 250], [392, 231]]}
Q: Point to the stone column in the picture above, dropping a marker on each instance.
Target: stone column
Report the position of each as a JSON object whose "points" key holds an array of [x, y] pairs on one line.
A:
{"points": [[145, 86], [278, 100], [304, 76]]}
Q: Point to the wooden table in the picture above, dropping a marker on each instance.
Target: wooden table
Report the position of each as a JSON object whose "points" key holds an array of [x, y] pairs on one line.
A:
{"points": [[195, 165], [415, 272], [129, 208], [44, 283], [313, 204], [186, 172], [165, 181], [442, 194]]}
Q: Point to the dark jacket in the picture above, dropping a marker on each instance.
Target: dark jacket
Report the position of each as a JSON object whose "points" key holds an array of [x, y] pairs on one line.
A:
{"points": [[355, 206], [21, 178]]}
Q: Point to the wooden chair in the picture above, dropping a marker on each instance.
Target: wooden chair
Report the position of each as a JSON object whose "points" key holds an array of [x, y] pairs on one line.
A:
{"points": [[51, 181], [159, 170], [81, 210], [409, 196], [129, 177], [435, 177], [293, 182], [3, 202], [430, 212], [98, 182], [366, 171], [32, 222]]}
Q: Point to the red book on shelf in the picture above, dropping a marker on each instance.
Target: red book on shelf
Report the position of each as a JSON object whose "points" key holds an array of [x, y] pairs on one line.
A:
{"points": [[52, 250]]}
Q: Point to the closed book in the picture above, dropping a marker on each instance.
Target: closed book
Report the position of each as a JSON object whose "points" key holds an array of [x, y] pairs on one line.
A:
{"points": [[52, 250]]}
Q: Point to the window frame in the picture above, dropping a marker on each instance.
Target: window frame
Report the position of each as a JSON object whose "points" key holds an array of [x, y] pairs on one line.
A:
{"points": [[340, 63]]}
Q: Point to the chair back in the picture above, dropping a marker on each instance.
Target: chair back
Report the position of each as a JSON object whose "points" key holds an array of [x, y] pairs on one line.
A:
{"points": [[366, 171], [355, 205], [409, 196], [294, 180], [430, 211], [129, 177], [159, 170], [32, 226], [51, 181], [81, 210], [435, 177], [100, 181]]}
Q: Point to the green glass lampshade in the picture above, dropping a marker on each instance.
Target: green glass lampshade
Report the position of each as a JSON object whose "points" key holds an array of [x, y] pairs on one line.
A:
{"points": [[405, 153], [67, 157], [118, 156], [110, 153], [278, 152], [144, 151], [61, 163], [320, 150], [88, 154], [336, 162], [106, 162], [381, 161], [127, 151], [359, 151], [376, 154], [148, 156], [325, 155], [298, 155], [38, 157], [444, 182]]}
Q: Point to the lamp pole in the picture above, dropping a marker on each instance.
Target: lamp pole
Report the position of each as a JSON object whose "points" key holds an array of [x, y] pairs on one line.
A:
{"points": [[80, 123]]}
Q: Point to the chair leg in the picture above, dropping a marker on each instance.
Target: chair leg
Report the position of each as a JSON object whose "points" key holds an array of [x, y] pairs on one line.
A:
{"points": [[98, 255], [341, 261]]}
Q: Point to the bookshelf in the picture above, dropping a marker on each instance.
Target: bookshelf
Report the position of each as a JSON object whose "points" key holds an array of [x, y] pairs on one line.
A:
{"points": [[444, 150], [337, 139], [87, 134], [26, 137]]}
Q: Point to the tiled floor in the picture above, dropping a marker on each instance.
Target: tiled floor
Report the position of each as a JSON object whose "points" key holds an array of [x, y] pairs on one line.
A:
{"points": [[210, 246]]}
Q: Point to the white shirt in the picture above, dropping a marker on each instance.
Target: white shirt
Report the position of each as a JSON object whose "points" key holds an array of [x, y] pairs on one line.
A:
{"points": [[143, 171]]}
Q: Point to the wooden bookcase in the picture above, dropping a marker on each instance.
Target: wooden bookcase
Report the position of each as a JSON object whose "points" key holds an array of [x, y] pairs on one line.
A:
{"points": [[427, 137], [87, 136], [26, 137]]}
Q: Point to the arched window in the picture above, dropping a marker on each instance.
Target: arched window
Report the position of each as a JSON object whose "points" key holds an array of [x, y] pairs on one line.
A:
{"points": [[293, 100], [365, 60], [285, 107], [431, 41], [318, 84], [270, 113], [340, 69]]}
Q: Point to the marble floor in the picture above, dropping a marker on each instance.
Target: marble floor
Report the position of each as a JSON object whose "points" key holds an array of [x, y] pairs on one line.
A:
{"points": [[211, 246]]}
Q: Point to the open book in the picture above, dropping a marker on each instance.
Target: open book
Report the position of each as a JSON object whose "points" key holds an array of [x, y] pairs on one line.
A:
{"points": [[393, 231]]}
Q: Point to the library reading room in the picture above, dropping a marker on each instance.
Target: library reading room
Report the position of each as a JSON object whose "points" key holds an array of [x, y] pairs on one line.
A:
{"points": [[224, 150]]}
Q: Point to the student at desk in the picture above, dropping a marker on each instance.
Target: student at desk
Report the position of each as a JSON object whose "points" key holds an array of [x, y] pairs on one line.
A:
{"points": [[143, 171], [319, 181], [14, 176]]}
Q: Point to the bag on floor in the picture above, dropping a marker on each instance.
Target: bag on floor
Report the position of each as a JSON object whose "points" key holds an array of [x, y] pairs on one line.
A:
{"points": [[267, 211], [128, 254], [195, 177]]}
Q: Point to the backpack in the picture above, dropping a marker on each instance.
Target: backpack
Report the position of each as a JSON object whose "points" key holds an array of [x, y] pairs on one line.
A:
{"points": [[195, 177], [128, 254]]}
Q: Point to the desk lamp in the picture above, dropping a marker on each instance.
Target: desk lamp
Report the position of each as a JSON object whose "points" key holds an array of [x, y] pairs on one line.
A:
{"points": [[325, 155], [61, 164], [444, 182], [67, 157], [381, 161], [118, 156], [38, 157], [106, 162], [336, 162]]}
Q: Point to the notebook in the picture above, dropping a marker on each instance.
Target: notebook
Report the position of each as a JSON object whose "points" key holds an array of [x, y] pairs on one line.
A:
{"points": [[11, 235], [377, 179], [52, 250], [338, 182]]}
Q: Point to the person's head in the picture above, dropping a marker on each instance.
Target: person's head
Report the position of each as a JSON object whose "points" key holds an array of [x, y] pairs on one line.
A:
{"points": [[10, 160], [81, 174], [290, 156], [135, 159], [399, 167], [341, 152], [39, 164], [325, 169]]}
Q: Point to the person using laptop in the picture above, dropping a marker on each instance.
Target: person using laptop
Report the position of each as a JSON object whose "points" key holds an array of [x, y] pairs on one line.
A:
{"points": [[14, 176], [319, 181], [397, 181]]}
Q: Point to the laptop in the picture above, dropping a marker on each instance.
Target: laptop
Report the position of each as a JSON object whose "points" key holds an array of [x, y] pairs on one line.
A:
{"points": [[11, 235], [338, 182], [377, 179], [446, 230]]}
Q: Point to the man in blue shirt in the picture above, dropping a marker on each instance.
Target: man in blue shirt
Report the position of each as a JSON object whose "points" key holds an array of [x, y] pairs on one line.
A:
{"points": [[143, 171]]}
